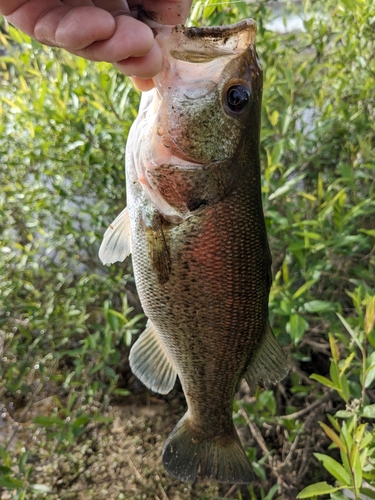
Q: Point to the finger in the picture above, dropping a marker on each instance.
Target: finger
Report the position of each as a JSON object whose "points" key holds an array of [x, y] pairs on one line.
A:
{"points": [[141, 84], [131, 38], [49, 21], [143, 67]]}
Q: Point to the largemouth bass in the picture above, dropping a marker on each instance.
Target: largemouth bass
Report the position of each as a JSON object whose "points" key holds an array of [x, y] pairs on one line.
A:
{"points": [[195, 226]]}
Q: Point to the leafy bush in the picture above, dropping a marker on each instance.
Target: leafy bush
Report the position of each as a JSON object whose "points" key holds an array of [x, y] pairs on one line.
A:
{"points": [[67, 322]]}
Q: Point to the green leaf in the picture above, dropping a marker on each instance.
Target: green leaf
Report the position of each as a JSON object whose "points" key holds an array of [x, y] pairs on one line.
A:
{"points": [[46, 421], [333, 436], [259, 470], [346, 432], [302, 289], [334, 468], [345, 392], [121, 392], [367, 492], [354, 459], [81, 421], [109, 371], [370, 315], [318, 489], [318, 306], [343, 413], [297, 327], [349, 4], [10, 482], [275, 488], [365, 441], [351, 332], [334, 348], [286, 187], [334, 422], [370, 376], [368, 411], [323, 380]]}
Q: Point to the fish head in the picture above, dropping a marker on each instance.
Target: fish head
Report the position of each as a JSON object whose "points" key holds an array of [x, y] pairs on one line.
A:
{"points": [[202, 119], [207, 88]]}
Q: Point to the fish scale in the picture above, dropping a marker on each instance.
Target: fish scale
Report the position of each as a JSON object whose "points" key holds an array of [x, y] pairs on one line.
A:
{"points": [[200, 253]]}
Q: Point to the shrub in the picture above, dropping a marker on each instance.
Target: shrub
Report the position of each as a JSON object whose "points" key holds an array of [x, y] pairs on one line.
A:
{"points": [[66, 321]]}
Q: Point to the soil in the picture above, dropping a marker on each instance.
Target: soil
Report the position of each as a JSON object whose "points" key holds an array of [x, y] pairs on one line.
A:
{"points": [[121, 458]]}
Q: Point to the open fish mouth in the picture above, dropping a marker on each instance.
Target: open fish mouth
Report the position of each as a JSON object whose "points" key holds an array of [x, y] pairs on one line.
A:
{"points": [[196, 44]]}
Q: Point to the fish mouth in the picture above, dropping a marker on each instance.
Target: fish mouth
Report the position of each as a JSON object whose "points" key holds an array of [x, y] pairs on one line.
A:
{"points": [[184, 161], [200, 44], [178, 160]]}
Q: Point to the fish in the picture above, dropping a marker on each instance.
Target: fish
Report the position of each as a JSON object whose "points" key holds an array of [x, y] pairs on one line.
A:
{"points": [[195, 226]]}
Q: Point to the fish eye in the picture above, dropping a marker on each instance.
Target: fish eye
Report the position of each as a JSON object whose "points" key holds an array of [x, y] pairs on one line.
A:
{"points": [[237, 98]]}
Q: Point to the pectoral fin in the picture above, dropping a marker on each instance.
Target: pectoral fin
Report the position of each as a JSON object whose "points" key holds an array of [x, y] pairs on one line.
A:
{"points": [[269, 364], [150, 362], [116, 244], [158, 247]]}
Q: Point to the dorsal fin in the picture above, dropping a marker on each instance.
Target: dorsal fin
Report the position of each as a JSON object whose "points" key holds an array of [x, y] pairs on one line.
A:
{"points": [[116, 244]]}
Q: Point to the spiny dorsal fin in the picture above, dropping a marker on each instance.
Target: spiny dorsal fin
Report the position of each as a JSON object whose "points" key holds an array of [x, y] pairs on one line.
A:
{"points": [[116, 244], [150, 363], [269, 364]]}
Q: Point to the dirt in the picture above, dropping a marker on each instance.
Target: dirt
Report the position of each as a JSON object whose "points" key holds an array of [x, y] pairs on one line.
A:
{"points": [[121, 458]]}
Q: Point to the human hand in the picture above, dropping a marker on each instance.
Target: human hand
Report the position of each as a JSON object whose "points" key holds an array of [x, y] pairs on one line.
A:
{"points": [[100, 30]]}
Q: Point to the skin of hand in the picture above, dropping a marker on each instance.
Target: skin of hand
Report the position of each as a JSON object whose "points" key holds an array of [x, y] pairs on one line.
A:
{"points": [[100, 30]]}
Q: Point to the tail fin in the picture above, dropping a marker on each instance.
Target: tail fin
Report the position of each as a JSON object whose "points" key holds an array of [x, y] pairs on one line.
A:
{"points": [[188, 452]]}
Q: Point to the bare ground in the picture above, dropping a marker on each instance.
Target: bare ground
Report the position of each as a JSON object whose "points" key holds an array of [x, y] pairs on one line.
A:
{"points": [[121, 458]]}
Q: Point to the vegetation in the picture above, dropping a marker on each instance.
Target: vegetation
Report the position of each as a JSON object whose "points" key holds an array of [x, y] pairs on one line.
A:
{"points": [[66, 322]]}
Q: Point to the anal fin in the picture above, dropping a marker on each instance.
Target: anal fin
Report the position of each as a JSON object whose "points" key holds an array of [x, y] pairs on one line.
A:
{"points": [[269, 364], [150, 362], [116, 244]]}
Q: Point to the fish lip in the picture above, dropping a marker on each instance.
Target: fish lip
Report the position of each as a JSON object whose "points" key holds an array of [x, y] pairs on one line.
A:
{"points": [[176, 154], [174, 165], [188, 159]]}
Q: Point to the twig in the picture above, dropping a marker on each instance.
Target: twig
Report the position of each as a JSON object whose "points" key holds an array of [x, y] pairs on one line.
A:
{"points": [[163, 493], [289, 456], [232, 490], [316, 403], [304, 457], [2, 336], [254, 431], [137, 473]]}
